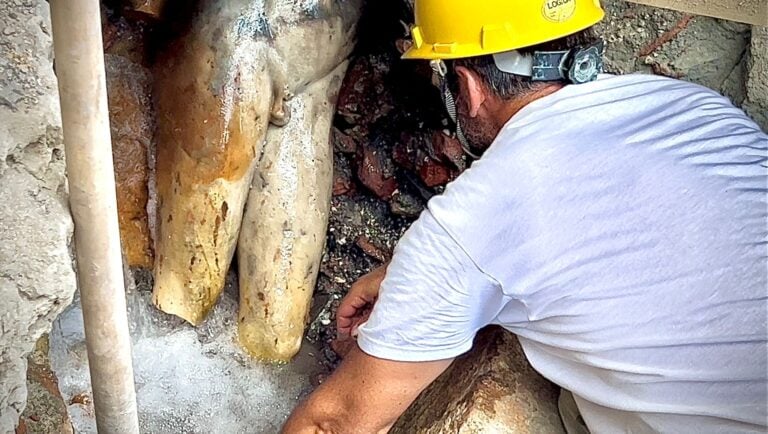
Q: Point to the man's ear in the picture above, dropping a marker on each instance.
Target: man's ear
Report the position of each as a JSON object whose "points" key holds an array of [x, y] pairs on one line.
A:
{"points": [[471, 89]]}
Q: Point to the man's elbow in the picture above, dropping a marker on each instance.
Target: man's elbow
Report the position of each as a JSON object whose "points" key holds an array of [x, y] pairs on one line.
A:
{"points": [[296, 425], [318, 416], [319, 419]]}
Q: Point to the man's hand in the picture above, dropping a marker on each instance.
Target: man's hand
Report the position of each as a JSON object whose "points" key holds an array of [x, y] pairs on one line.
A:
{"points": [[356, 306], [365, 395]]}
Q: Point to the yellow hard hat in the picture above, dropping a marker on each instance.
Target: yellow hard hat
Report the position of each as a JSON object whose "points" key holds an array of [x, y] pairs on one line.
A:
{"points": [[452, 29]]}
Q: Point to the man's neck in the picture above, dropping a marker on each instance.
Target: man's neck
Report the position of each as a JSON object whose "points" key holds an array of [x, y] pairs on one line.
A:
{"points": [[505, 109]]}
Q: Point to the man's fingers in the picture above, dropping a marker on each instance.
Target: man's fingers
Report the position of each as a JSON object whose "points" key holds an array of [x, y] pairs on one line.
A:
{"points": [[349, 307], [356, 306]]}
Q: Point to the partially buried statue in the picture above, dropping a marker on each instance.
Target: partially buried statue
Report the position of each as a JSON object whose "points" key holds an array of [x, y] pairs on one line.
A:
{"points": [[245, 101]]}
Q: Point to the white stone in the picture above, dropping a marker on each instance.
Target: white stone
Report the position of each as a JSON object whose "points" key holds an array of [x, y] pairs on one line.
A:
{"points": [[37, 278]]}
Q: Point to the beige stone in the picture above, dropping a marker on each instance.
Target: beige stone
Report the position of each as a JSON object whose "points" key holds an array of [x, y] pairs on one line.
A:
{"points": [[492, 389], [745, 11]]}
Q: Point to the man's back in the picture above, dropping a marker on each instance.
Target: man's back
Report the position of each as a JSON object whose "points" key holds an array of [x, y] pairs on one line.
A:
{"points": [[620, 228]]}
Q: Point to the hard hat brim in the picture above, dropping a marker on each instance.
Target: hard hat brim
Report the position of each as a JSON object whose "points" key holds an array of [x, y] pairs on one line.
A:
{"points": [[471, 47]]}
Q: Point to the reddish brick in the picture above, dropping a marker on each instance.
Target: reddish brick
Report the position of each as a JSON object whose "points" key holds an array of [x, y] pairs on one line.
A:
{"points": [[371, 172], [434, 173], [448, 149]]}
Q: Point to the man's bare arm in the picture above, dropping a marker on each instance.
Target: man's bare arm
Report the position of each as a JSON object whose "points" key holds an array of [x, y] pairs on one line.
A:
{"points": [[365, 395]]}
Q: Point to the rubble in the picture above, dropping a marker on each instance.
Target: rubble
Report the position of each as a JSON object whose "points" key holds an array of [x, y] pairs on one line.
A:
{"points": [[376, 172]]}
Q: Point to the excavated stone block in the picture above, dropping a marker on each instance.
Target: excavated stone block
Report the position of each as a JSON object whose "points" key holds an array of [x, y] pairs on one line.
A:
{"points": [[492, 389], [37, 279]]}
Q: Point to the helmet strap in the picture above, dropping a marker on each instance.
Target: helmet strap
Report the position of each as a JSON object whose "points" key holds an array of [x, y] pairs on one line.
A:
{"points": [[440, 70], [577, 65]]}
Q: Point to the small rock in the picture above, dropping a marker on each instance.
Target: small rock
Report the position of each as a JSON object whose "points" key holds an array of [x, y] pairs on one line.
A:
{"points": [[373, 172], [406, 205], [448, 149], [341, 184], [363, 97], [406, 150], [352, 95], [434, 173], [81, 399], [372, 250], [343, 143]]}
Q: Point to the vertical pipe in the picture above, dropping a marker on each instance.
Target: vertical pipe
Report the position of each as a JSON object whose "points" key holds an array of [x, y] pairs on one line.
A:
{"points": [[82, 89]]}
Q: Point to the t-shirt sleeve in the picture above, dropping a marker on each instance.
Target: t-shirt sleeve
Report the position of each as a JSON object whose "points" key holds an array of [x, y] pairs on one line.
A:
{"points": [[433, 299]]}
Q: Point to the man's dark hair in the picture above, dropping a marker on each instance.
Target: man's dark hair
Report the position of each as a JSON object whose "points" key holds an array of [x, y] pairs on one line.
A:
{"points": [[507, 85]]}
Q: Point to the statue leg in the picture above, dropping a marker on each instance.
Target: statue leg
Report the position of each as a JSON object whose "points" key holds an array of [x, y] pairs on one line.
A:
{"points": [[284, 226], [212, 120]]}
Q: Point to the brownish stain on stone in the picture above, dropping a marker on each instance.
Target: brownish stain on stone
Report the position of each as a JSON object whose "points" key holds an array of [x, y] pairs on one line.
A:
{"points": [[132, 127], [46, 411], [191, 128]]}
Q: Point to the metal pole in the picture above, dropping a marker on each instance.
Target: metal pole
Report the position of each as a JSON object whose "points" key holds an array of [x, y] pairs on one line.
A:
{"points": [[82, 89]]}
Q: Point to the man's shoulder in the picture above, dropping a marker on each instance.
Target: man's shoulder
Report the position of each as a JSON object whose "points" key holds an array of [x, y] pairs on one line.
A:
{"points": [[614, 98]]}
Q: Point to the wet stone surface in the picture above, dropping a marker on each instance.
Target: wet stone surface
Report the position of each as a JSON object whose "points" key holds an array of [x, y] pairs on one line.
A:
{"points": [[188, 380]]}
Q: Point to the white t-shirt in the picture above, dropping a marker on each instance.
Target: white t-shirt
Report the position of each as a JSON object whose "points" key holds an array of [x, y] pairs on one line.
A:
{"points": [[620, 229]]}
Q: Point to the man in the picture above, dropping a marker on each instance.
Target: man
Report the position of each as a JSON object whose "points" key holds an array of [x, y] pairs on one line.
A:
{"points": [[616, 224]]}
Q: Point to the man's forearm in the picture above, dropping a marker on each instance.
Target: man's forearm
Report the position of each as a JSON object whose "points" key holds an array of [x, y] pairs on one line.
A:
{"points": [[326, 412], [320, 413], [365, 395]]}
